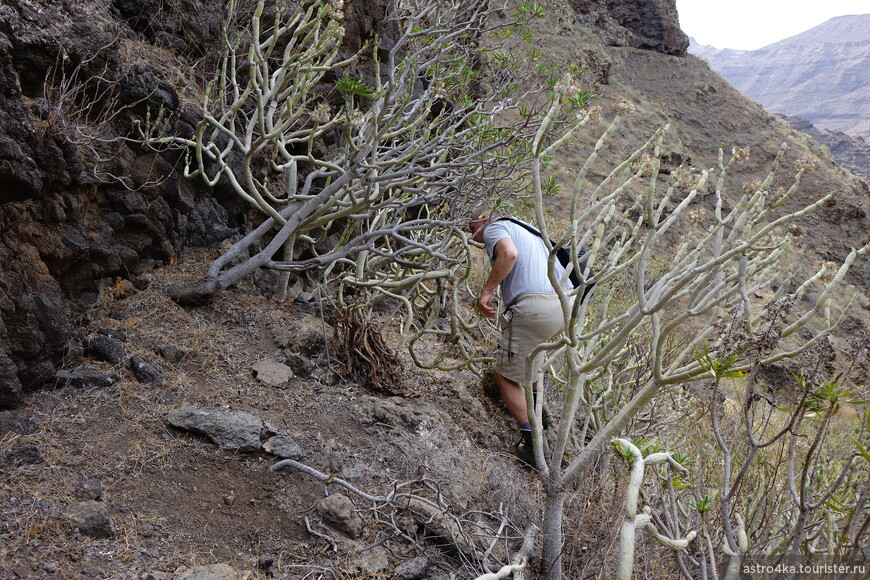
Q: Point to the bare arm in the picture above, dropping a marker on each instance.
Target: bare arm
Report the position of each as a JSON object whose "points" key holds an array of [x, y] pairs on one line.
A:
{"points": [[505, 257]]}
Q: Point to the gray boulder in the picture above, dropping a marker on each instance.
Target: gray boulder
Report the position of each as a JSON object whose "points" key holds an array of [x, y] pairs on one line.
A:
{"points": [[413, 569], [283, 446], [235, 430], [210, 572]]}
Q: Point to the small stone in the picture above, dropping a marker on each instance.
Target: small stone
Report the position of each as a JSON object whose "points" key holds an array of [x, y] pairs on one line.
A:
{"points": [[84, 379], [211, 572], [340, 513], [265, 561], [354, 472], [413, 569], [145, 372], [271, 373], [106, 349], [171, 353], [92, 488], [374, 561], [283, 446], [152, 552], [49, 567], [229, 499], [21, 453], [91, 518]]}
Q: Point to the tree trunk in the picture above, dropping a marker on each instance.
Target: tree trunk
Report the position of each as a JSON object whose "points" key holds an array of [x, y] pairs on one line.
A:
{"points": [[553, 509]]}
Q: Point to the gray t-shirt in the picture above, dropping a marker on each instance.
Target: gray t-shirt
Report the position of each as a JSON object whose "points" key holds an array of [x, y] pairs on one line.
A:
{"points": [[529, 274]]}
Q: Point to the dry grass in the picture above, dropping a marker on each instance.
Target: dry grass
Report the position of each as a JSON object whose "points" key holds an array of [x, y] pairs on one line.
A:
{"points": [[167, 491]]}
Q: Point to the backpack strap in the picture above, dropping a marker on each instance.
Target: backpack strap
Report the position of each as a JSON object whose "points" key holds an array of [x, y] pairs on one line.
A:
{"points": [[564, 256], [523, 225]]}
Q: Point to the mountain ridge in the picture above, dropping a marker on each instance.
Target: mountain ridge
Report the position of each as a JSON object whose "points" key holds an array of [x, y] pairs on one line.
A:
{"points": [[819, 75]]}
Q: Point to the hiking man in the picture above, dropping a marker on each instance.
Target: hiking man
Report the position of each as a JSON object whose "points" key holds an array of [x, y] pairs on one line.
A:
{"points": [[532, 314]]}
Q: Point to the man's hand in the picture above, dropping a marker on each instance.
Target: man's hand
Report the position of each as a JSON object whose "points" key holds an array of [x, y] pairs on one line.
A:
{"points": [[485, 304]]}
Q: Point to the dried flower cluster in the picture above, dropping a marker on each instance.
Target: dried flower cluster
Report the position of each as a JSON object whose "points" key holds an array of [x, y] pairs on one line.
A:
{"points": [[685, 176], [355, 118], [322, 113], [752, 186], [336, 31], [645, 165], [594, 114], [830, 271], [797, 233], [740, 154], [336, 11], [697, 216], [624, 107], [805, 164]]}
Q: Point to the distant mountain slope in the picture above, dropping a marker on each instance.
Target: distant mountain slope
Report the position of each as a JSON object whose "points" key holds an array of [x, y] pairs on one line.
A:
{"points": [[853, 153], [820, 75]]}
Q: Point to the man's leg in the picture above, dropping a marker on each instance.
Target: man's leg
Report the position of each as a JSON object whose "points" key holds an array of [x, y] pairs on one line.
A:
{"points": [[514, 398]]}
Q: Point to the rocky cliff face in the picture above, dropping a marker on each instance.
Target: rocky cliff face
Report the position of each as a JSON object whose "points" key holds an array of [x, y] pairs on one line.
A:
{"points": [[647, 24], [71, 227], [819, 75], [79, 219]]}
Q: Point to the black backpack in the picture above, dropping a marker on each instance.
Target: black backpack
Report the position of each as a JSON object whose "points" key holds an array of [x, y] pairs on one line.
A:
{"points": [[564, 256]]}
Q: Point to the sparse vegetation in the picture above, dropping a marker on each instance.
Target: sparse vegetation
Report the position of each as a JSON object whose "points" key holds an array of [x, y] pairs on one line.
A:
{"points": [[405, 241], [700, 363]]}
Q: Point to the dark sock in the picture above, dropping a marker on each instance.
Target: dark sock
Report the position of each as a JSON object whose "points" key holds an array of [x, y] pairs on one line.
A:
{"points": [[526, 431]]}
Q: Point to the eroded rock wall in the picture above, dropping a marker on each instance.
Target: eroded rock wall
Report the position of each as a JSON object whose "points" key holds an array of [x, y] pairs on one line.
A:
{"points": [[70, 225], [646, 24]]}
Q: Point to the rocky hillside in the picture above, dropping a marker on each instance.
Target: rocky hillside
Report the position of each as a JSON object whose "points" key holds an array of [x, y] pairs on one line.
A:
{"points": [[819, 75], [81, 211], [94, 356], [853, 153], [77, 218]]}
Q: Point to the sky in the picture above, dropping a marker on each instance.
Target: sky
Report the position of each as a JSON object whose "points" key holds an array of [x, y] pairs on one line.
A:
{"points": [[752, 24]]}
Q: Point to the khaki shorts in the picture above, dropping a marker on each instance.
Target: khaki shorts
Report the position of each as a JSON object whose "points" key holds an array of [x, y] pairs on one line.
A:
{"points": [[531, 320]]}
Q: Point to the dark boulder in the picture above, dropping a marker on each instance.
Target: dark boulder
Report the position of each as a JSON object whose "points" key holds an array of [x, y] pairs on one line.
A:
{"points": [[646, 24]]}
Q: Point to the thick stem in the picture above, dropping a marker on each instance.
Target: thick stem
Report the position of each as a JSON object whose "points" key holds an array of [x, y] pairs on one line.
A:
{"points": [[284, 277], [553, 510], [597, 447]]}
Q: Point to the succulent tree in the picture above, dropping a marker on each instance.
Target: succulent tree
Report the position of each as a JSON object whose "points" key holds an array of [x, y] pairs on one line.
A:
{"points": [[364, 166], [664, 288]]}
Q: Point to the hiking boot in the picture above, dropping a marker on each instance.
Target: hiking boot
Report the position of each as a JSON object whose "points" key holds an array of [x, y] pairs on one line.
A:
{"points": [[546, 418], [525, 449]]}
